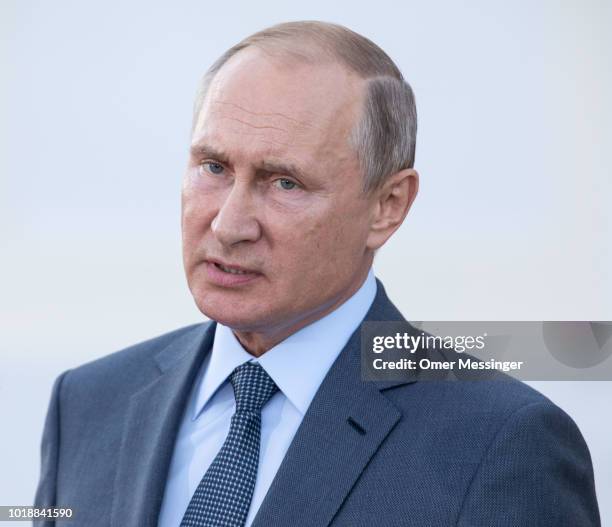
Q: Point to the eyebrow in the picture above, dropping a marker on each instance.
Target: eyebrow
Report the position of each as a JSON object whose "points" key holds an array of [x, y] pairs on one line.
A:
{"points": [[289, 169], [280, 167], [208, 151]]}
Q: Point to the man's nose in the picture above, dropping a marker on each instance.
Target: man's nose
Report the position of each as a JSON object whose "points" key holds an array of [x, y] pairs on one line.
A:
{"points": [[235, 222]]}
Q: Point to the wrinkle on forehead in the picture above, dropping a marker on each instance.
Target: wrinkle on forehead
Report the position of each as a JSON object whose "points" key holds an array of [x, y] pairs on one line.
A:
{"points": [[258, 127], [265, 134], [272, 128], [272, 141], [273, 120], [262, 114]]}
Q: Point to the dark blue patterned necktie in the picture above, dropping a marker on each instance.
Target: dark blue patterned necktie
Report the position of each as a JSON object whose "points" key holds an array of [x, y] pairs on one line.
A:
{"points": [[224, 494]]}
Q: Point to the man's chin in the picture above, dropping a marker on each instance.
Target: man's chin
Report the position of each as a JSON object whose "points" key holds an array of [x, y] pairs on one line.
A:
{"points": [[238, 319]]}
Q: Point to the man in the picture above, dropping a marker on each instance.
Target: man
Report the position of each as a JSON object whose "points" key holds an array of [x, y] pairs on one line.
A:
{"points": [[301, 167]]}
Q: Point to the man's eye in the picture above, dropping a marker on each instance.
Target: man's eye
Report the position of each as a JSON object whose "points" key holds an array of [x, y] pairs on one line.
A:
{"points": [[285, 184], [212, 168]]}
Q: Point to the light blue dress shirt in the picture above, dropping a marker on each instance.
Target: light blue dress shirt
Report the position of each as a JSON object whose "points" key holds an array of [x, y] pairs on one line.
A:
{"points": [[297, 365]]}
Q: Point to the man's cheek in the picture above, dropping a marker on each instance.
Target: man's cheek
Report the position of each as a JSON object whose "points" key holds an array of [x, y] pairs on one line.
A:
{"points": [[315, 234]]}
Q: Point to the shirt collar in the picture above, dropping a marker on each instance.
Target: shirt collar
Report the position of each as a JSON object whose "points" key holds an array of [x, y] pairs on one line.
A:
{"points": [[299, 363]]}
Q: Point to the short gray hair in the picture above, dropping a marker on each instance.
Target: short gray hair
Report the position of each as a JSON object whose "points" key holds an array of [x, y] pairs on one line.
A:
{"points": [[385, 137]]}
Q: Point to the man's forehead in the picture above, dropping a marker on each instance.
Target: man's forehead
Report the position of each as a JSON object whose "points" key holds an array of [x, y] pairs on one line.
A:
{"points": [[262, 90], [273, 115], [232, 129]]}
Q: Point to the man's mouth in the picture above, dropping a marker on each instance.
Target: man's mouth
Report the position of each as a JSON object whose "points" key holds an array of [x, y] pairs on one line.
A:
{"points": [[225, 275], [231, 270]]}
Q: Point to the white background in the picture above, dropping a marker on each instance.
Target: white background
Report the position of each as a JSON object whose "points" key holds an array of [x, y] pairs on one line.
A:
{"points": [[512, 222]]}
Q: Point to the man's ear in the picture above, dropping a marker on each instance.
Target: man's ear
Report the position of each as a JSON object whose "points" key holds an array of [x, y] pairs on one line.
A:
{"points": [[392, 202]]}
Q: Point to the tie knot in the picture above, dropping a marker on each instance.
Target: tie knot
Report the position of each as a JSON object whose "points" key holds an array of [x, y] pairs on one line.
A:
{"points": [[253, 387]]}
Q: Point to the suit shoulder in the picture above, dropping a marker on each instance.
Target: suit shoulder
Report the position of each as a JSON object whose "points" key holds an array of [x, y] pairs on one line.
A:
{"points": [[507, 395], [506, 391], [536, 443], [137, 357], [493, 400], [499, 393]]}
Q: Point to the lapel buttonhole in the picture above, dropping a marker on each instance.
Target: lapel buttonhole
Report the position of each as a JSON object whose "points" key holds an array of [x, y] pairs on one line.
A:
{"points": [[356, 426]]}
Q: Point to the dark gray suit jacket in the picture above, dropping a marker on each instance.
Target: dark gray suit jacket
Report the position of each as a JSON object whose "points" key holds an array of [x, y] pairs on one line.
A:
{"points": [[410, 453]]}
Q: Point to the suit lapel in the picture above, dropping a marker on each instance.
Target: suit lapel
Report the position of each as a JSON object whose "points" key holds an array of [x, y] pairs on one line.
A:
{"points": [[343, 428], [150, 429]]}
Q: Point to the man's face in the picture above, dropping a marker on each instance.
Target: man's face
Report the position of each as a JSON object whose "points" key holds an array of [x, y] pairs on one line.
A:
{"points": [[275, 223]]}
